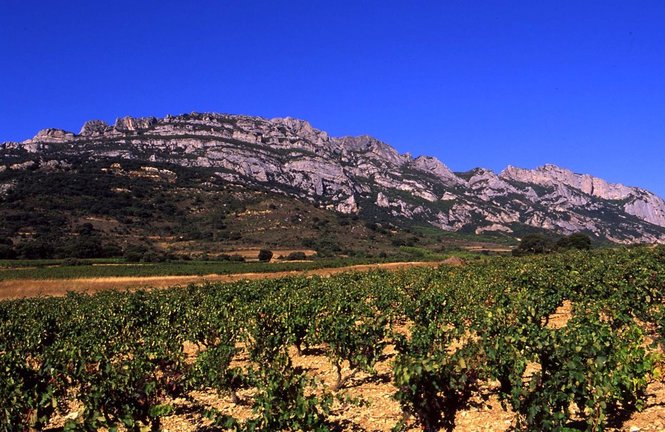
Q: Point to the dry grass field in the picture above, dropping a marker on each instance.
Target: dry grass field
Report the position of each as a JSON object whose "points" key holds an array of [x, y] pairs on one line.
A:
{"points": [[11, 289]]}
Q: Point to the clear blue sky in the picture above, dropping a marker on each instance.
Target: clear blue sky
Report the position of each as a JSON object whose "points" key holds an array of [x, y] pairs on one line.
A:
{"points": [[476, 83]]}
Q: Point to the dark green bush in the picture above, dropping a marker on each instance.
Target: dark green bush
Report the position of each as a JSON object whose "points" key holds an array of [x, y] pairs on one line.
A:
{"points": [[35, 249], [7, 252], [296, 256], [534, 244], [134, 253], [75, 262], [575, 241], [265, 255]]}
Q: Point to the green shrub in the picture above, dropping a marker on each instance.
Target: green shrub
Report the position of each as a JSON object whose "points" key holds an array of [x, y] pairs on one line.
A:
{"points": [[296, 256], [7, 252], [534, 244], [575, 241], [134, 253], [35, 249], [265, 255], [75, 262]]}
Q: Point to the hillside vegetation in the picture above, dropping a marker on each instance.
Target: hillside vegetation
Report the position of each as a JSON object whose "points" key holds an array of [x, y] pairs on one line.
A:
{"points": [[87, 212]]}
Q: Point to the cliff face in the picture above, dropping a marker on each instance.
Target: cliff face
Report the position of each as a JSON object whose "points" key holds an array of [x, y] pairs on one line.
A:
{"points": [[637, 202], [354, 175]]}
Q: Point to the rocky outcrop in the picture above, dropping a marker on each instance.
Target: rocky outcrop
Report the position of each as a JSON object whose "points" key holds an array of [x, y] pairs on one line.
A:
{"points": [[370, 148], [382, 200], [128, 124], [52, 136], [577, 188], [23, 165], [349, 205], [436, 167], [646, 206], [552, 175], [358, 175], [5, 188], [94, 128]]}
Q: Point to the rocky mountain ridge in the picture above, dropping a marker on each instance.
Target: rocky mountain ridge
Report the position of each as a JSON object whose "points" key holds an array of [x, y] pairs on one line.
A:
{"points": [[358, 175]]}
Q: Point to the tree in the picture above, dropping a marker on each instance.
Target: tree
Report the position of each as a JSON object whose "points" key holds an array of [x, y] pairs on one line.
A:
{"points": [[135, 253], [35, 249], [265, 255], [84, 246], [296, 256], [86, 229], [534, 244], [575, 241], [6, 252]]}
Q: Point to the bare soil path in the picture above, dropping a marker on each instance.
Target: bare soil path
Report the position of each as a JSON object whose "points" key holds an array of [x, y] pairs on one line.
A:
{"points": [[11, 289]]}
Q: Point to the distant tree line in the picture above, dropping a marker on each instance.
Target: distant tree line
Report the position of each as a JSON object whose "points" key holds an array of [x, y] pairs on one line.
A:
{"points": [[532, 244], [86, 243]]}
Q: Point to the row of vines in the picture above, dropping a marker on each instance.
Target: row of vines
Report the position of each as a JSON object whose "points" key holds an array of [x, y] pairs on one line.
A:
{"points": [[122, 358]]}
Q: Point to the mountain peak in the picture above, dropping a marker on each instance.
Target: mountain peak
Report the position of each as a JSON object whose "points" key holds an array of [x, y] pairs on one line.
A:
{"points": [[371, 146], [94, 127], [551, 167], [436, 167], [552, 174], [52, 135]]}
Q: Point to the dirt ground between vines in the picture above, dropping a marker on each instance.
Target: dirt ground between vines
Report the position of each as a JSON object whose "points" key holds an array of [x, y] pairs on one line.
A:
{"points": [[11, 289], [367, 403], [371, 406]]}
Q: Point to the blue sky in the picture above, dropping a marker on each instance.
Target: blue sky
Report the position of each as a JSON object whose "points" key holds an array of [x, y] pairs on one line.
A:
{"points": [[476, 83]]}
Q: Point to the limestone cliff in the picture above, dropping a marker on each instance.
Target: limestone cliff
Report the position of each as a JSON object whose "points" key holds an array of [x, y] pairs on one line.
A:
{"points": [[354, 175]]}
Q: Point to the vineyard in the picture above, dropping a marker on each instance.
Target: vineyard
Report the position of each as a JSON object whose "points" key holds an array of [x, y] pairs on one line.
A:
{"points": [[236, 356]]}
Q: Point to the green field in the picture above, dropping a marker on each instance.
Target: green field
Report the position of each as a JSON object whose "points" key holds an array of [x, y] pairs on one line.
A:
{"points": [[121, 358]]}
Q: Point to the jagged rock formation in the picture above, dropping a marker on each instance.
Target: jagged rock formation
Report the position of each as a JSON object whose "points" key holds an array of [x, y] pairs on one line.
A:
{"points": [[355, 175]]}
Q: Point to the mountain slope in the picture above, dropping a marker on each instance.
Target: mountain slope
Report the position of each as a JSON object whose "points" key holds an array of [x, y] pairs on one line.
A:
{"points": [[350, 175]]}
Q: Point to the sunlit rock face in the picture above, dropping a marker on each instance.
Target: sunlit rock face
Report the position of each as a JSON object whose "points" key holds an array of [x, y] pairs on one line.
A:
{"points": [[355, 175], [637, 202]]}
